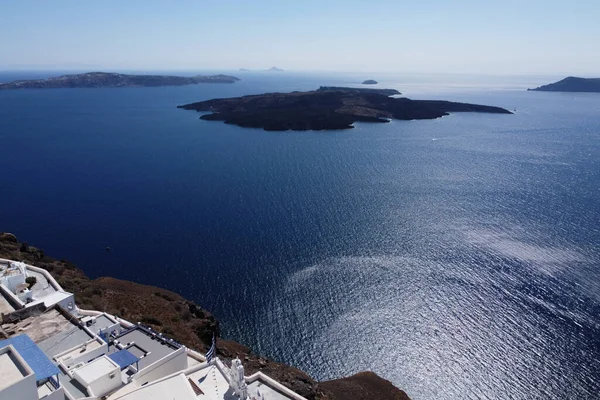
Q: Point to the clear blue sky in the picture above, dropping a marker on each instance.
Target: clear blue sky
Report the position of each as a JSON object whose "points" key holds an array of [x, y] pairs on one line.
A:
{"points": [[455, 36]]}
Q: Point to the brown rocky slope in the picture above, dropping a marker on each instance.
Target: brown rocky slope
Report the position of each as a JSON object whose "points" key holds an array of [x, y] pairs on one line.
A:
{"points": [[186, 322]]}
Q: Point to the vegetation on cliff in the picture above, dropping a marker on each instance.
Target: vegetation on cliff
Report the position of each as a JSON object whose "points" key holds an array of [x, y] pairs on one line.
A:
{"points": [[188, 323]]}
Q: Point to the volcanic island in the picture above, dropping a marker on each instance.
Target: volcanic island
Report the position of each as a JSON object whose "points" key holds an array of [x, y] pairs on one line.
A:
{"points": [[327, 108]]}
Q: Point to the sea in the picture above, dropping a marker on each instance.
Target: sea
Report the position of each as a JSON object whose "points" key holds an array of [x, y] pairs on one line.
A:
{"points": [[458, 258]]}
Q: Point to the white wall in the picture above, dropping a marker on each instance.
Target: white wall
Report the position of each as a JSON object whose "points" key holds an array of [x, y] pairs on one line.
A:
{"points": [[11, 282], [100, 377], [174, 362], [25, 389], [105, 383], [48, 276], [56, 395], [268, 381], [64, 303], [85, 357], [15, 301]]}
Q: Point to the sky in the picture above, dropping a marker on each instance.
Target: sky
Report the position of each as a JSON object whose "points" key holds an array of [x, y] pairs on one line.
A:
{"points": [[427, 36]]}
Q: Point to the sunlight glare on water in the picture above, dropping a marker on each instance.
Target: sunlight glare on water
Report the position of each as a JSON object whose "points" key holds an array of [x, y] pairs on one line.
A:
{"points": [[456, 257]]}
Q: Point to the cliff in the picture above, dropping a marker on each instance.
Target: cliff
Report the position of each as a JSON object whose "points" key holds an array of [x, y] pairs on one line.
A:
{"points": [[109, 79], [572, 84], [326, 108], [189, 324]]}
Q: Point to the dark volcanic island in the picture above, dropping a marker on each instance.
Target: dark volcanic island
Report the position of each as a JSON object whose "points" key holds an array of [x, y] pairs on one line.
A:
{"points": [[109, 79], [326, 108]]}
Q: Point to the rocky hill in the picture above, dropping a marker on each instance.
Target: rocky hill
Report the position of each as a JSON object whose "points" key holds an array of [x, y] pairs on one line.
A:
{"points": [[188, 323], [572, 84]]}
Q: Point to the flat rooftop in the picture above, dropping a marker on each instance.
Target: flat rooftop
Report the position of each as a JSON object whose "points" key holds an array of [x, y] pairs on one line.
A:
{"points": [[176, 387], [97, 368], [59, 342], [266, 391], [54, 334], [39, 327], [72, 337], [102, 321], [42, 287], [213, 384], [9, 370], [33, 356], [74, 388], [145, 343]]}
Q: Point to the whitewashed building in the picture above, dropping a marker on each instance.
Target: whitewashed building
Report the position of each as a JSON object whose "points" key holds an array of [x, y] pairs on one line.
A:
{"points": [[61, 352]]}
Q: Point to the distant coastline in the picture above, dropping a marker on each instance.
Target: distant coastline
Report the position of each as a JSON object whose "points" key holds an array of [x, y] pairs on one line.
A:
{"points": [[571, 84], [110, 79]]}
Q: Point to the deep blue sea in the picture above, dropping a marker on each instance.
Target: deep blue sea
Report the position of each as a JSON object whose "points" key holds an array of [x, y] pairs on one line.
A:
{"points": [[458, 257]]}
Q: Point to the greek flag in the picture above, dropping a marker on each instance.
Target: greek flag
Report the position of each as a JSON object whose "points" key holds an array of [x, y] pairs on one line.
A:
{"points": [[211, 352]]}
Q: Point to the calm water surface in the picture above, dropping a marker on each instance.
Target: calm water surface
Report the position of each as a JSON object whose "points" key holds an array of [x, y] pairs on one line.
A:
{"points": [[458, 257]]}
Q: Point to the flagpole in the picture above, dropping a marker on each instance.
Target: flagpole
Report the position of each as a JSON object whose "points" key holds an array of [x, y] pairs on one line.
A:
{"points": [[211, 351]]}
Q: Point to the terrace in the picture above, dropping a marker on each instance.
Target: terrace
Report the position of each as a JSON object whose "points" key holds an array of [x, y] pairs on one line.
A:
{"points": [[146, 345]]}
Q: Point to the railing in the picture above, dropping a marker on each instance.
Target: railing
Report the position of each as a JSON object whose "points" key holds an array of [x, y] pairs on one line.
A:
{"points": [[54, 383], [166, 340]]}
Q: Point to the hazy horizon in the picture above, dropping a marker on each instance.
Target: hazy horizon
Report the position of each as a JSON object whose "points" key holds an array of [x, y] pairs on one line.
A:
{"points": [[462, 37]]}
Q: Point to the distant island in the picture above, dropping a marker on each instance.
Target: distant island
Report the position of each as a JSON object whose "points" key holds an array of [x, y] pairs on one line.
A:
{"points": [[385, 92], [326, 108], [272, 69], [370, 82], [572, 84], [109, 79]]}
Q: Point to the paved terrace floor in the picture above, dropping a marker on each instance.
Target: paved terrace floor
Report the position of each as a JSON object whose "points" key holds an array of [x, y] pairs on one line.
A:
{"points": [[267, 392], [102, 322], [40, 327], [42, 287], [144, 341], [213, 384], [64, 341]]}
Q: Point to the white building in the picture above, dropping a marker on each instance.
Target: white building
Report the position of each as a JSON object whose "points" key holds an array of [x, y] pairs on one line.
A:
{"points": [[17, 294], [62, 352], [26, 372]]}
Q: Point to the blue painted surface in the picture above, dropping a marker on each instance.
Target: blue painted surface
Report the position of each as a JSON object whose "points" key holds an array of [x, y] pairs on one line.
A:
{"points": [[124, 358], [33, 356]]}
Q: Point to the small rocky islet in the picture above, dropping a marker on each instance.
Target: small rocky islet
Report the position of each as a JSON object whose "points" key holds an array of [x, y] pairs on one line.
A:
{"points": [[327, 108]]}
